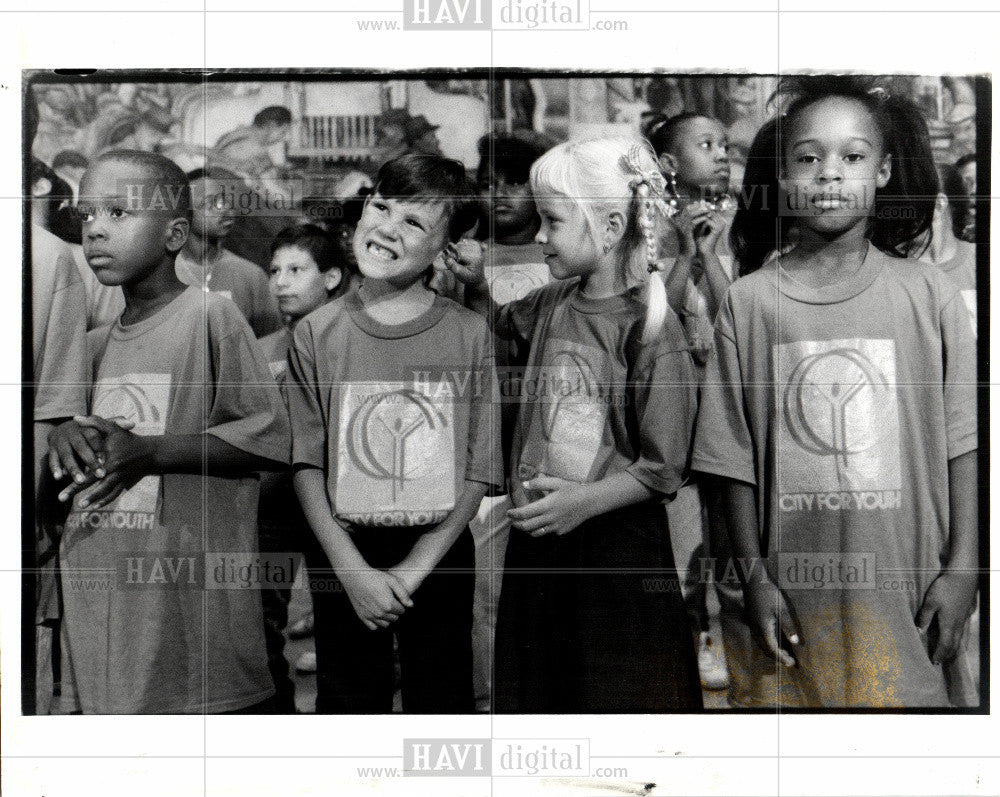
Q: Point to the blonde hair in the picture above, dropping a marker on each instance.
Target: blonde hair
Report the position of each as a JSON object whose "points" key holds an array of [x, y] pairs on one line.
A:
{"points": [[614, 174]]}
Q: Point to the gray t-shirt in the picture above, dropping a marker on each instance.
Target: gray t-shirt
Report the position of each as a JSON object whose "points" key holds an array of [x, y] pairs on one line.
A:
{"points": [[843, 406], [174, 629]]}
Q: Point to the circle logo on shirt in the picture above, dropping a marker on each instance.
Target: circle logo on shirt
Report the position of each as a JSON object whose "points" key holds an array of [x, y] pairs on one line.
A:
{"points": [[127, 402], [830, 402], [396, 436]]}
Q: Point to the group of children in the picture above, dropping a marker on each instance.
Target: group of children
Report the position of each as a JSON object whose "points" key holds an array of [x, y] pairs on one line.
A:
{"points": [[415, 442]]}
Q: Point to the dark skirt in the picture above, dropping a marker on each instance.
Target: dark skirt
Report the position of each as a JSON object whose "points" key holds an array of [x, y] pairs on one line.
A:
{"points": [[593, 621]]}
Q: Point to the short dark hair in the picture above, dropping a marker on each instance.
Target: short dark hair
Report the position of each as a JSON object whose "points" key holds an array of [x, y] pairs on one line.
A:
{"points": [[434, 178], [510, 155], [212, 173], [959, 200], [161, 169], [273, 115], [70, 158], [314, 240]]}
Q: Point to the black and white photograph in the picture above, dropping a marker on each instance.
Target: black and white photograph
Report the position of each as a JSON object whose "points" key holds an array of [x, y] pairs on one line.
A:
{"points": [[508, 429]]}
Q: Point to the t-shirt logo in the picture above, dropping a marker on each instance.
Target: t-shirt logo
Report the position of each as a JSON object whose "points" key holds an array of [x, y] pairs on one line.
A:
{"points": [[142, 399], [839, 425], [396, 454], [570, 419], [510, 283]]}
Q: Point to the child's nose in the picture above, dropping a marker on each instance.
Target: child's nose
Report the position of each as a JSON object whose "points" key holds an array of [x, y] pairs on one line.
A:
{"points": [[831, 169]]}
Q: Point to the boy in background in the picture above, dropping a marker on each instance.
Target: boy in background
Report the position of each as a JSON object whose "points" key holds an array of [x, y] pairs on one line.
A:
{"points": [[204, 262]]}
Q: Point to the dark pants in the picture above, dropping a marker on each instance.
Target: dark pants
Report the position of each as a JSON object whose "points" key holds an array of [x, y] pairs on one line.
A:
{"points": [[355, 673], [593, 621]]}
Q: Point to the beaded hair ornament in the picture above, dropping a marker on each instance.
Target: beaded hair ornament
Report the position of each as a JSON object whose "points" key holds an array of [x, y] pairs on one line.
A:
{"points": [[650, 186]]}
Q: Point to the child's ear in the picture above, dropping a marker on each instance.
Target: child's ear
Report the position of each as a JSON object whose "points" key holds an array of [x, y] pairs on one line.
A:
{"points": [[177, 233], [668, 163], [614, 229], [884, 172], [332, 279]]}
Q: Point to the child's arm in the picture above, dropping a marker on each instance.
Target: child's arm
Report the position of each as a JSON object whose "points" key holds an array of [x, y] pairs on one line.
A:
{"points": [[432, 546], [378, 597], [467, 263], [765, 604], [571, 503], [952, 595], [128, 457]]}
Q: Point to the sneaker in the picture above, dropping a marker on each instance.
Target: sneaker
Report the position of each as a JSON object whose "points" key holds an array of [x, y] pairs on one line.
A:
{"points": [[304, 627], [711, 664], [306, 663]]}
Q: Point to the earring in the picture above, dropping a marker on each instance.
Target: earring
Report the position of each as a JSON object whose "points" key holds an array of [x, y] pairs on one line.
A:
{"points": [[673, 198]]}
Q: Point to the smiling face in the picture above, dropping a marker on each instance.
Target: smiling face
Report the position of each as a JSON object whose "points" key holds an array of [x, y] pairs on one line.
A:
{"points": [[396, 240], [126, 235], [833, 163], [700, 156], [297, 283], [566, 238]]}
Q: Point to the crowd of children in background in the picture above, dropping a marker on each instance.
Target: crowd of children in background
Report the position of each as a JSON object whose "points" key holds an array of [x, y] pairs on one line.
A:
{"points": [[525, 428]]}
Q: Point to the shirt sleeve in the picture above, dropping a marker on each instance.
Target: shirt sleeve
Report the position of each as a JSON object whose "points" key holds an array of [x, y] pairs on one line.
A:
{"points": [[61, 363], [247, 410], [959, 351], [305, 406], [723, 445], [665, 392], [484, 461]]}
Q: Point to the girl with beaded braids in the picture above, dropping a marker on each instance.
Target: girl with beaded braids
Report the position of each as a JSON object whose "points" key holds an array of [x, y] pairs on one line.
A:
{"points": [[838, 410], [591, 617]]}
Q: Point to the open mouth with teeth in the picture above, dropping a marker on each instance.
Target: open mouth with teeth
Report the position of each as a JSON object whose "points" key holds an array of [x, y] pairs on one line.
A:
{"points": [[381, 252]]}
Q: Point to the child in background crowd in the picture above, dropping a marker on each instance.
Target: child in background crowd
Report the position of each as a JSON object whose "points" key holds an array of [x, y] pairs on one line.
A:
{"points": [[306, 271], [164, 469], [839, 407], [204, 262], [693, 153]]}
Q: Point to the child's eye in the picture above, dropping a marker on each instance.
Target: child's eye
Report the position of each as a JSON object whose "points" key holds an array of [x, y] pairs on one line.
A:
{"points": [[86, 216], [273, 272], [415, 223], [806, 159], [854, 157], [705, 144], [118, 213], [379, 206]]}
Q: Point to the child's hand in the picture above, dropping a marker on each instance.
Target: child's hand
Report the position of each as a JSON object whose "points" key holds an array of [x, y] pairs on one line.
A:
{"points": [[951, 598], [562, 510], [410, 575], [466, 260], [379, 598], [689, 224], [442, 281], [127, 458], [76, 451], [769, 615], [708, 232]]}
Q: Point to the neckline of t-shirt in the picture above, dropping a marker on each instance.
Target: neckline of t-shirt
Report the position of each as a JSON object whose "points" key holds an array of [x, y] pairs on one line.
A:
{"points": [[605, 304], [421, 323], [122, 331], [841, 291]]}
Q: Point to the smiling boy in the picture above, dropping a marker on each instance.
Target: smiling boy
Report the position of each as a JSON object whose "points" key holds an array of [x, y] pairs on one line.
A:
{"points": [[395, 442]]}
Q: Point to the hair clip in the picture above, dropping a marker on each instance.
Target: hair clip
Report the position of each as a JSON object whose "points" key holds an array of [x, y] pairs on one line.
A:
{"points": [[879, 93]]}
